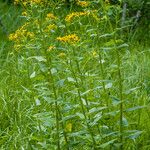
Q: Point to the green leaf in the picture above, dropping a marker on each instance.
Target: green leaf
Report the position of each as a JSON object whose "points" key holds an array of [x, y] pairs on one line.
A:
{"points": [[112, 113], [107, 143], [38, 58], [108, 86], [95, 109], [70, 79], [32, 75], [61, 82], [135, 135], [37, 102], [115, 101], [53, 70], [97, 118], [125, 122], [86, 92], [80, 115], [131, 90], [135, 108], [68, 117]]}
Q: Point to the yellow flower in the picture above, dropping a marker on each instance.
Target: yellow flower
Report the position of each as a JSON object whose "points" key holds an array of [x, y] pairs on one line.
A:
{"points": [[62, 55], [50, 16], [94, 53], [16, 2], [107, 1], [31, 2], [24, 13], [21, 34], [50, 27], [69, 127], [72, 38], [30, 34], [82, 3], [36, 1], [50, 48], [25, 3], [12, 37], [75, 14], [17, 47], [93, 13]]}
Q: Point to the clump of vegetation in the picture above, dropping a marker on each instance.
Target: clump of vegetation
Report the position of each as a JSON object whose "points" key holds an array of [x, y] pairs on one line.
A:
{"points": [[73, 78]]}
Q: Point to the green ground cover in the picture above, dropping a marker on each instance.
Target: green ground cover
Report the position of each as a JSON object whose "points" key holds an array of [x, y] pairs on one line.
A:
{"points": [[73, 78]]}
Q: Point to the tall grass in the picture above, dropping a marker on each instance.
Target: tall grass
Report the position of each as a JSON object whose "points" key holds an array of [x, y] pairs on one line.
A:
{"points": [[77, 84]]}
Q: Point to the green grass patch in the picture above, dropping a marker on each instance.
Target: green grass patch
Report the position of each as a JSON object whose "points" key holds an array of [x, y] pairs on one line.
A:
{"points": [[71, 79]]}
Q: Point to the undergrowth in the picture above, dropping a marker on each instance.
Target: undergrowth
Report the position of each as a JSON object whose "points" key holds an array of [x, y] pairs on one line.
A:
{"points": [[72, 79]]}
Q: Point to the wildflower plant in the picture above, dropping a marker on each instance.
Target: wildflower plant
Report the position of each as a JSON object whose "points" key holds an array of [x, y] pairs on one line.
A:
{"points": [[73, 64]]}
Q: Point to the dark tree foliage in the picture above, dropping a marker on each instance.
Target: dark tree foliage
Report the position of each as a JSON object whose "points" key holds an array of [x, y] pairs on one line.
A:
{"points": [[8, 1]]}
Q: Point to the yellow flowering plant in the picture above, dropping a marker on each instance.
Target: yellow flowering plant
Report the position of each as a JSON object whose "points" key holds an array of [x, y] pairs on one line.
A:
{"points": [[72, 38], [82, 3], [70, 60]]}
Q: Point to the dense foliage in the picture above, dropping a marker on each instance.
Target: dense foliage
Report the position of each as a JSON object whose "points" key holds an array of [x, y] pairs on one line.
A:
{"points": [[74, 75]]}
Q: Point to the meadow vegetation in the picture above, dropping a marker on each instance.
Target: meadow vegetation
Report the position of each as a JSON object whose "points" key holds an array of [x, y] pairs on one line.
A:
{"points": [[73, 77]]}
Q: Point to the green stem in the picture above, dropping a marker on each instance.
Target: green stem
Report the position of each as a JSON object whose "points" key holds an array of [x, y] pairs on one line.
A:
{"points": [[103, 77], [51, 80], [121, 97], [81, 77], [82, 106], [57, 110], [120, 85]]}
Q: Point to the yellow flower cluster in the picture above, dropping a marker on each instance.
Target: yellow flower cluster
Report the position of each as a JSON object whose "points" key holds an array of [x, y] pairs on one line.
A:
{"points": [[50, 48], [25, 2], [20, 33], [50, 16], [82, 3], [75, 14], [24, 13], [94, 54], [36, 1], [69, 127], [72, 38], [16, 2], [62, 55], [20, 36], [107, 1], [50, 27], [94, 14]]}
